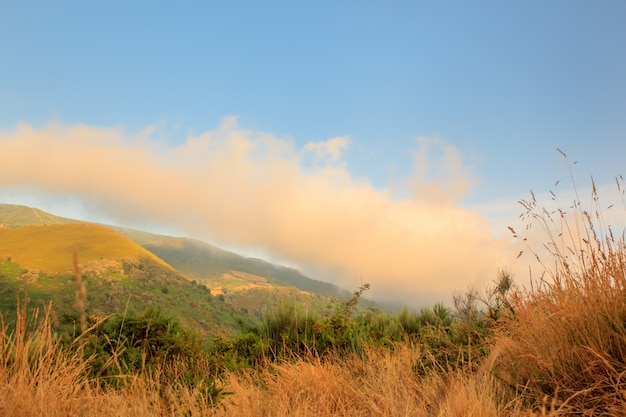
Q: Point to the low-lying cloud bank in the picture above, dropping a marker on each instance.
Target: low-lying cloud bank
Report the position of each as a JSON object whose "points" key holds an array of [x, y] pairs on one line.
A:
{"points": [[253, 190]]}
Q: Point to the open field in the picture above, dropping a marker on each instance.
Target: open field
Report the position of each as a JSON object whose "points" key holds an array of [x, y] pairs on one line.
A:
{"points": [[556, 349]]}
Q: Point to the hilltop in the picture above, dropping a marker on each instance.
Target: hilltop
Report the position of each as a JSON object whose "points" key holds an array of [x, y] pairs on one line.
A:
{"points": [[12, 215], [50, 247]]}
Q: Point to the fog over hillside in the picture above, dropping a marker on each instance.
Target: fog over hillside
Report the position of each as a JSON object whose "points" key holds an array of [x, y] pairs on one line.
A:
{"points": [[248, 189]]}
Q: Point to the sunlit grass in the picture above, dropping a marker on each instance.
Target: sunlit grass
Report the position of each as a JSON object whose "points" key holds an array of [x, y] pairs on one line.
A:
{"points": [[41, 375], [50, 248], [567, 344]]}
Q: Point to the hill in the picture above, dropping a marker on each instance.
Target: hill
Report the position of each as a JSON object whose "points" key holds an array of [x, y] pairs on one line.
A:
{"points": [[193, 258], [119, 277], [41, 246], [248, 285], [50, 247], [210, 265]]}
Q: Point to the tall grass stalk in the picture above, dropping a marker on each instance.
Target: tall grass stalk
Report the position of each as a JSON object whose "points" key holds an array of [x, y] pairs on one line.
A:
{"points": [[568, 342], [81, 296], [34, 369], [42, 376], [382, 382]]}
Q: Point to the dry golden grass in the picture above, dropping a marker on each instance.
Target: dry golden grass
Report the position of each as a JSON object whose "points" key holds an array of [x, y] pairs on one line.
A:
{"points": [[383, 384], [566, 348], [40, 377], [568, 341], [49, 248]]}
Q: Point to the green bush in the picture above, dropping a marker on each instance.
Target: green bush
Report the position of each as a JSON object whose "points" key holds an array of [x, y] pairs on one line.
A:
{"points": [[120, 347], [145, 340]]}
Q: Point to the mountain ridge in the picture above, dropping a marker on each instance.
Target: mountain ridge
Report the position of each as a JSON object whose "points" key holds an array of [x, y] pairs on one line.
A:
{"points": [[16, 215], [211, 290], [196, 259]]}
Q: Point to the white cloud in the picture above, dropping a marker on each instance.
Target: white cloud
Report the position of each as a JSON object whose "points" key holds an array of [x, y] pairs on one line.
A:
{"points": [[251, 190], [328, 151], [441, 175]]}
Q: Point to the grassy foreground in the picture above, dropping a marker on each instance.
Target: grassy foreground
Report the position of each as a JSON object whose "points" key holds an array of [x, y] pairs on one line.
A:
{"points": [[556, 349]]}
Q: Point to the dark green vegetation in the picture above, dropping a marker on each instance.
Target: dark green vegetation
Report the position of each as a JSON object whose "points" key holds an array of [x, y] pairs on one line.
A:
{"points": [[129, 290], [457, 338]]}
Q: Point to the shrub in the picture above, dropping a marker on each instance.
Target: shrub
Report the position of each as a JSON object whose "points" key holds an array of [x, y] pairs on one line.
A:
{"points": [[133, 343]]}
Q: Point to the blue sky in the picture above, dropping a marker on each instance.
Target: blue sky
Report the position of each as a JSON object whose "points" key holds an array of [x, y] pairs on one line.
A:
{"points": [[491, 87]]}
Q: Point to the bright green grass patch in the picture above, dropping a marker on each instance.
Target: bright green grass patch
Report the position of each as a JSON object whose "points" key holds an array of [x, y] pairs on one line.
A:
{"points": [[9, 268]]}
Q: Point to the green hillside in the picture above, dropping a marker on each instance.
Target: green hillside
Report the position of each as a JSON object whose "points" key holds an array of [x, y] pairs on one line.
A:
{"points": [[248, 285], [119, 277], [207, 263], [255, 299], [194, 259], [132, 289], [148, 269]]}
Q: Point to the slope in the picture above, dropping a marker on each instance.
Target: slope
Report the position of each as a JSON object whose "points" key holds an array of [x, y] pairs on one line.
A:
{"points": [[50, 247], [193, 258], [246, 285], [209, 264], [119, 275]]}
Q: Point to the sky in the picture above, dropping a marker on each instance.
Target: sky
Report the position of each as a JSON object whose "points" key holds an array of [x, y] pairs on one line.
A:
{"points": [[379, 142]]}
